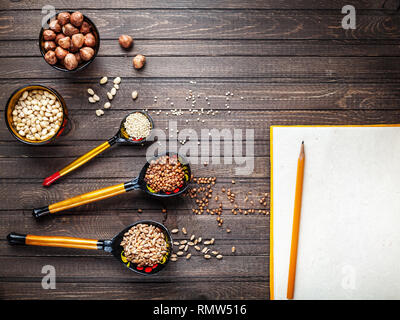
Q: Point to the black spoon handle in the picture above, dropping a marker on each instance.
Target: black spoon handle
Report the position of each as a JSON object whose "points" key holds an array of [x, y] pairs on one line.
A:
{"points": [[55, 241]]}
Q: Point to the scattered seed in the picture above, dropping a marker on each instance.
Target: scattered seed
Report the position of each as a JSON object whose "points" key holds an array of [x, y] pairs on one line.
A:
{"points": [[176, 243], [90, 91], [174, 259], [113, 91], [107, 105], [181, 247], [233, 249], [117, 80], [219, 257], [91, 100], [110, 96], [205, 249], [197, 248], [96, 97], [207, 256], [183, 242], [184, 231], [188, 256], [99, 112], [174, 230], [180, 253], [134, 95]]}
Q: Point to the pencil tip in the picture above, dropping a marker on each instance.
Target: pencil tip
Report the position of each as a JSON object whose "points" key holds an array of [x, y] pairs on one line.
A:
{"points": [[302, 142]]}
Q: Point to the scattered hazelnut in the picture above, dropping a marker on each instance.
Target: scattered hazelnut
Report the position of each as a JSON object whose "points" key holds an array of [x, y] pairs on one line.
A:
{"points": [[139, 61], [85, 27], [69, 30], [78, 40], [86, 53], [65, 42], [63, 18], [125, 41], [70, 61], [49, 45], [76, 18], [49, 35], [55, 26], [90, 40], [50, 57], [60, 53]]}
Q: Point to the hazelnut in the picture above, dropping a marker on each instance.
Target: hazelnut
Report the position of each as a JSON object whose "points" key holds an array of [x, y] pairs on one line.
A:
{"points": [[69, 30], [58, 37], [139, 61], [86, 53], [49, 45], [73, 49], [78, 57], [76, 19], [55, 26], [85, 27], [125, 41], [60, 53], [78, 40], [49, 35], [90, 40], [63, 18], [70, 61], [50, 57], [65, 42]]}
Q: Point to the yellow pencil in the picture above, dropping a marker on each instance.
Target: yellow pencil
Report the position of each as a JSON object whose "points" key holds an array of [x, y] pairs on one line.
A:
{"points": [[296, 223]]}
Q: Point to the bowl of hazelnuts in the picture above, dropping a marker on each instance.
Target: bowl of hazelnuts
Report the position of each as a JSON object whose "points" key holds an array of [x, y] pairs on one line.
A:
{"points": [[70, 42]]}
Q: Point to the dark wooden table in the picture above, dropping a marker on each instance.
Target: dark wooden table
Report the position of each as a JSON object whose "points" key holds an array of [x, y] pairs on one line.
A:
{"points": [[292, 63]]}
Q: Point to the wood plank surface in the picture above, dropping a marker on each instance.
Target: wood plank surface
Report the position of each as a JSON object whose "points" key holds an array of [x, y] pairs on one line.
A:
{"points": [[287, 63], [216, 24]]}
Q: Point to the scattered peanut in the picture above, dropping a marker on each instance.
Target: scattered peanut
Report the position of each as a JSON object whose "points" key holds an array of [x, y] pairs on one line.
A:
{"points": [[103, 80]]}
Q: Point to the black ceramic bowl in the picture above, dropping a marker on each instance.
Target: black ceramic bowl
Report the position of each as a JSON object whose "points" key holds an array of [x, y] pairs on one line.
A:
{"points": [[84, 64], [12, 101]]}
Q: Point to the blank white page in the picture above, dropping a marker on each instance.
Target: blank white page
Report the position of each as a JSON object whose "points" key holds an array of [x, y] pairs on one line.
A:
{"points": [[349, 238]]}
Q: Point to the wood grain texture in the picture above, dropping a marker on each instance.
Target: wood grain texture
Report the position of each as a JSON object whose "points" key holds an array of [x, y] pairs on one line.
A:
{"points": [[215, 24], [205, 4], [377, 69], [292, 64]]}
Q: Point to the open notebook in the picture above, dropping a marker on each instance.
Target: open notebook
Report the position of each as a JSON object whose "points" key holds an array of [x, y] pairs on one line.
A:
{"points": [[349, 238]]}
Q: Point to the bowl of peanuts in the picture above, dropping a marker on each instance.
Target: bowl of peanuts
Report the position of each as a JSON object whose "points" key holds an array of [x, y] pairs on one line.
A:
{"points": [[36, 114]]}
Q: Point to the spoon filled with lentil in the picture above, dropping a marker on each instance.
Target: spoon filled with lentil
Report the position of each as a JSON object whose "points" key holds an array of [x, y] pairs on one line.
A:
{"points": [[165, 176], [135, 128]]}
